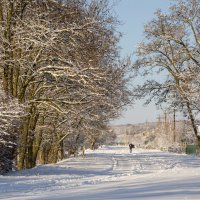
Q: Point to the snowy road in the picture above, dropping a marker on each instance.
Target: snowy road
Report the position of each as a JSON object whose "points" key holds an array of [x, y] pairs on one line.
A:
{"points": [[109, 173]]}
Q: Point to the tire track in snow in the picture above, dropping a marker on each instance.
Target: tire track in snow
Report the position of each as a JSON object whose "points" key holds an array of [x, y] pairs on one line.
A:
{"points": [[100, 166]]}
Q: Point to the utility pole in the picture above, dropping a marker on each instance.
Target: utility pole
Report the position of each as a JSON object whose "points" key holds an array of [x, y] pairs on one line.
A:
{"points": [[159, 121], [174, 125], [165, 116]]}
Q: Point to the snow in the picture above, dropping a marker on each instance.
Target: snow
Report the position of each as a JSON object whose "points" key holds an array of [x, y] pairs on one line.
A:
{"points": [[110, 172]]}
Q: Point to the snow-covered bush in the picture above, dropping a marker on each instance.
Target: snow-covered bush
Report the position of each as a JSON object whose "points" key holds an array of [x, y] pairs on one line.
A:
{"points": [[10, 113]]}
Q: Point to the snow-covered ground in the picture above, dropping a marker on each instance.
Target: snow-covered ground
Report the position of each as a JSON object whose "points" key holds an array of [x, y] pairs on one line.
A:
{"points": [[109, 173]]}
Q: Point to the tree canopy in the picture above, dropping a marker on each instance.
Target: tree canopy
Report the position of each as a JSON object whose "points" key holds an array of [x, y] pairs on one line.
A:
{"points": [[60, 60]]}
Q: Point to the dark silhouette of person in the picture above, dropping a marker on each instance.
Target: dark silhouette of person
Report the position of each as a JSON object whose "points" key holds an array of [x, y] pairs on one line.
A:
{"points": [[131, 146]]}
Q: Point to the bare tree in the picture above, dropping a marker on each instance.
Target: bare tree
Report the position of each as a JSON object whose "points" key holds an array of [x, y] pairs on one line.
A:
{"points": [[171, 49]]}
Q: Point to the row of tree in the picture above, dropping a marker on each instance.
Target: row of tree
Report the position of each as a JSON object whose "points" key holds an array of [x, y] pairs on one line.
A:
{"points": [[61, 77], [172, 49]]}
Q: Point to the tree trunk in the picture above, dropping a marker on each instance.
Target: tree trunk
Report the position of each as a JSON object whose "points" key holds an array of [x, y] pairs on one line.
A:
{"points": [[42, 156], [32, 126], [15, 82], [194, 127], [23, 143], [53, 154], [198, 144], [5, 80], [44, 153], [26, 138], [61, 150], [37, 142], [54, 151], [93, 145], [36, 147]]}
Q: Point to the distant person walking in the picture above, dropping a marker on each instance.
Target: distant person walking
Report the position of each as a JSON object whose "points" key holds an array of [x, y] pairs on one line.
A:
{"points": [[131, 146]]}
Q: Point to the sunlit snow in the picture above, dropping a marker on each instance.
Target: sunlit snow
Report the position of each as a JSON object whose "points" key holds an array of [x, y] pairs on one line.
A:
{"points": [[110, 172]]}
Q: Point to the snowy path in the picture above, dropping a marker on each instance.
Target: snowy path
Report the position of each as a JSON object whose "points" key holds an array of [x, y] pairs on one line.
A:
{"points": [[109, 173]]}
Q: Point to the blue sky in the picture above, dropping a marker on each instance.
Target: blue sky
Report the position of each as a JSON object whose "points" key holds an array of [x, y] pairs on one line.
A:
{"points": [[134, 14]]}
